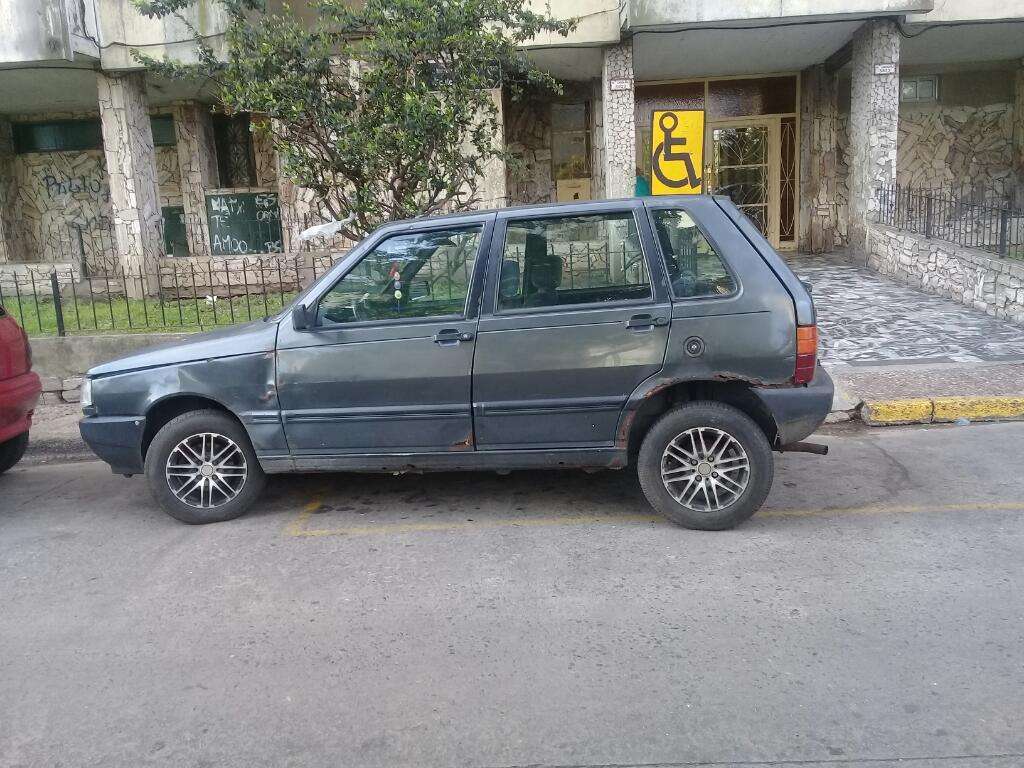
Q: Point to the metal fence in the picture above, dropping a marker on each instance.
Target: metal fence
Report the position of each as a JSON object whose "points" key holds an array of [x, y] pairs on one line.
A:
{"points": [[967, 218], [167, 295]]}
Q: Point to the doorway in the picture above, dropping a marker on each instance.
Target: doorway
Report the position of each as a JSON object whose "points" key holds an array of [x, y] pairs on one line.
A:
{"points": [[741, 168], [751, 143]]}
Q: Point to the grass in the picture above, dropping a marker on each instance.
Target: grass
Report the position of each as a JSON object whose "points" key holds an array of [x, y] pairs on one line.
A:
{"points": [[117, 314]]}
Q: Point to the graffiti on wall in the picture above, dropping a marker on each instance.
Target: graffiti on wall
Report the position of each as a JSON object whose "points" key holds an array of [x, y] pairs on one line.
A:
{"points": [[62, 203]]}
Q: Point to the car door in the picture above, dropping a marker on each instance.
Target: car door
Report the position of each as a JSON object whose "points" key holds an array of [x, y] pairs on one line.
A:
{"points": [[575, 315], [385, 366]]}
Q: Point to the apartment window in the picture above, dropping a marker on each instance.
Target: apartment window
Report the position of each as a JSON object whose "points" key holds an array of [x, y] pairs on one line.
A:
{"points": [[57, 136], [79, 135], [919, 89], [236, 162]]}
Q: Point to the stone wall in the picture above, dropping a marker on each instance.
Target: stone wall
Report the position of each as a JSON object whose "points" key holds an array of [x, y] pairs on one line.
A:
{"points": [[818, 142], [970, 146], [972, 277], [842, 187], [528, 136], [874, 113], [54, 192]]}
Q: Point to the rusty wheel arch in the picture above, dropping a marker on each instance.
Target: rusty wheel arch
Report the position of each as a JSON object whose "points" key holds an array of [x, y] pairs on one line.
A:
{"points": [[641, 413]]}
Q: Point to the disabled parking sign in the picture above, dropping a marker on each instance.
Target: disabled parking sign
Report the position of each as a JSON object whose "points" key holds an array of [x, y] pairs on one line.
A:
{"points": [[677, 139]]}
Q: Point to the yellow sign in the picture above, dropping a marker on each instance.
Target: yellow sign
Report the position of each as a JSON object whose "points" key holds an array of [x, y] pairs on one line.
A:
{"points": [[677, 136]]}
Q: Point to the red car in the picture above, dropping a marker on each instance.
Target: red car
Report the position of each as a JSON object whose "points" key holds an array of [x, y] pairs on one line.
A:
{"points": [[19, 391]]}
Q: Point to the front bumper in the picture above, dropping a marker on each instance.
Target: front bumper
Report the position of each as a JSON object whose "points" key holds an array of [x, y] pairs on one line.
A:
{"points": [[18, 398], [117, 440], [798, 411]]}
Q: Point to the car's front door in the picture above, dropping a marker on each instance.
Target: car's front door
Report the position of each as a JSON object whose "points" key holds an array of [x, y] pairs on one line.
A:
{"points": [[575, 317], [385, 366]]}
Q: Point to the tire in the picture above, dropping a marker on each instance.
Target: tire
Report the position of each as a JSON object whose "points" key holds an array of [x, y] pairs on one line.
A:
{"points": [[206, 434], [697, 508], [12, 450]]}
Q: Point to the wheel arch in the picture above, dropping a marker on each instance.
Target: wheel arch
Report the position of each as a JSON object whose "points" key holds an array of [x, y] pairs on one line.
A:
{"points": [[170, 407], [654, 399]]}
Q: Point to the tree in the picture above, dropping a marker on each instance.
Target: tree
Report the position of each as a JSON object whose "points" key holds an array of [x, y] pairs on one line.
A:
{"points": [[382, 110]]}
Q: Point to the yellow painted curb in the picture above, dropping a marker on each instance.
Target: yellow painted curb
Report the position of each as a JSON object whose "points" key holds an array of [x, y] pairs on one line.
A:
{"points": [[978, 408], [925, 410], [916, 410]]}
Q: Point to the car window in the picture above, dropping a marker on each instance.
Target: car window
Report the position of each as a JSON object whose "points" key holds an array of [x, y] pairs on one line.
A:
{"points": [[694, 268], [556, 262], [412, 275]]}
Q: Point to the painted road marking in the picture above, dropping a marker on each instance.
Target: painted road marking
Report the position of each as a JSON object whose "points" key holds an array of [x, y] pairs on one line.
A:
{"points": [[298, 526]]}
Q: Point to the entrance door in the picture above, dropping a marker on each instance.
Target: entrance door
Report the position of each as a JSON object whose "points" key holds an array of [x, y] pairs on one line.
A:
{"points": [[744, 167]]}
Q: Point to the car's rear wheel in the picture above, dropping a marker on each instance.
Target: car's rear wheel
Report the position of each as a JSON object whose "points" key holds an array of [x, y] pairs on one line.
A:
{"points": [[12, 450], [706, 465], [202, 468]]}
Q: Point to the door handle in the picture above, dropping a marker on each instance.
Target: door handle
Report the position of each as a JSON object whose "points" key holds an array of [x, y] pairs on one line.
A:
{"points": [[450, 337], [645, 322]]}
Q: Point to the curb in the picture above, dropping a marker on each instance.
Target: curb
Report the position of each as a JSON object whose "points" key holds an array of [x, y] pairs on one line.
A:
{"points": [[939, 410]]}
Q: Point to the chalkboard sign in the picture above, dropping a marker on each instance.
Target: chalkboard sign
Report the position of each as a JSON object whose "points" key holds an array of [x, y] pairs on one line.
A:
{"points": [[243, 222]]}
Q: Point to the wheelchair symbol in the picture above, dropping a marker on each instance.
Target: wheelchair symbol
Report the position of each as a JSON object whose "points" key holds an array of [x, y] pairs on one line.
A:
{"points": [[670, 149]]}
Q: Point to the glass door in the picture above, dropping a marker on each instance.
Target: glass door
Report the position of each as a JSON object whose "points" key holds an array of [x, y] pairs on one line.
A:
{"points": [[743, 166]]}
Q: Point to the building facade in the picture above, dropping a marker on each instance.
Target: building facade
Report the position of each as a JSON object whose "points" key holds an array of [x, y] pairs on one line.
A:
{"points": [[807, 109]]}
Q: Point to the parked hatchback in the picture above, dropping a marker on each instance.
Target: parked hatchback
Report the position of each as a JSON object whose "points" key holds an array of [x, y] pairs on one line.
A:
{"points": [[19, 391], [664, 332]]}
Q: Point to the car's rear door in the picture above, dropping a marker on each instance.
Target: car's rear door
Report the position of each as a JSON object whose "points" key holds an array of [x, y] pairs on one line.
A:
{"points": [[386, 367], [575, 315]]}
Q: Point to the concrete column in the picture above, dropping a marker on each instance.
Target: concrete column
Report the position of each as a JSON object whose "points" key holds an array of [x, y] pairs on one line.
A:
{"points": [[819, 115], [10, 245], [1018, 136], [131, 166], [874, 115], [197, 159], [617, 117]]}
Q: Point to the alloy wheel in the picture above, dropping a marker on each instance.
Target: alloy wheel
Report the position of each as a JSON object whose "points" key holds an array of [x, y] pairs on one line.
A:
{"points": [[705, 469], [206, 470]]}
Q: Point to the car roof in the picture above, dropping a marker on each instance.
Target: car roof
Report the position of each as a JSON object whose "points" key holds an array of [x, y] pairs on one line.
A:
{"points": [[581, 206]]}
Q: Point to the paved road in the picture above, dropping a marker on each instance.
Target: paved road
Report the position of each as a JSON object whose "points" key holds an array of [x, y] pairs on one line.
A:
{"points": [[872, 615]]}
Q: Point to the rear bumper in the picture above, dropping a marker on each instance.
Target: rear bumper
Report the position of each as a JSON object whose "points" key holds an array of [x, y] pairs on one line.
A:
{"points": [[798, 411], [18, 398], [117, 440]]}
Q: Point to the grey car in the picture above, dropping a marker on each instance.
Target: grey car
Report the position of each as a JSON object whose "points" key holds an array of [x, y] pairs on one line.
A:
{"points": [[662, 332]]}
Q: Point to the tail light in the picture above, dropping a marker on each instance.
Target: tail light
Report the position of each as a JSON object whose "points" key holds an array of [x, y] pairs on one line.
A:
{"points": [[806, 353]]}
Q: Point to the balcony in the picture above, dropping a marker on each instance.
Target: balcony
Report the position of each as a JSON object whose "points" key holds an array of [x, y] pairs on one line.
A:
{"points": [[47, 31]]}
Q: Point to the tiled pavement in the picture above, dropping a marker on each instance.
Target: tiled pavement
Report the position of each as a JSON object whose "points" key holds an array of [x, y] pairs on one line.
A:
{"points": [[867, 319]]}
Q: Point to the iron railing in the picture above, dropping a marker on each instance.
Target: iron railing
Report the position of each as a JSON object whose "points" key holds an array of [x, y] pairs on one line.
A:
{"points": [[969, 219], [169, 294]]}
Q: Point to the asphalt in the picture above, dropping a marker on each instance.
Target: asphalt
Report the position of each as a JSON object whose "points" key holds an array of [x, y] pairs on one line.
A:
{"points": [[870, 615]]}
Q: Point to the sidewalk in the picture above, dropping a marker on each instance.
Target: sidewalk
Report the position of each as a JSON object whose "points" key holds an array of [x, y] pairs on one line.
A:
{"points": [[908, 356]]}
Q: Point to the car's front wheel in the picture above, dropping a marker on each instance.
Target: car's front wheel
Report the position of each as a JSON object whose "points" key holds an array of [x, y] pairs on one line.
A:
{"points": [[706, 465], [201, 468]]}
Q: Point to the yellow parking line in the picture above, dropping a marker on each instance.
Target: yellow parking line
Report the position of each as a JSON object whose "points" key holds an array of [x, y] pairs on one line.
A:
{"points": [[297, 527]]}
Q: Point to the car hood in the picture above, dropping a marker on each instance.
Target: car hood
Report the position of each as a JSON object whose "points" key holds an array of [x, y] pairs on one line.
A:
{"points": [[251, 338]]}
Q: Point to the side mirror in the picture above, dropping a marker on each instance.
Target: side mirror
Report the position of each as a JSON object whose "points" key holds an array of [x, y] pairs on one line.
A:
{"points": [[301, 320]]}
